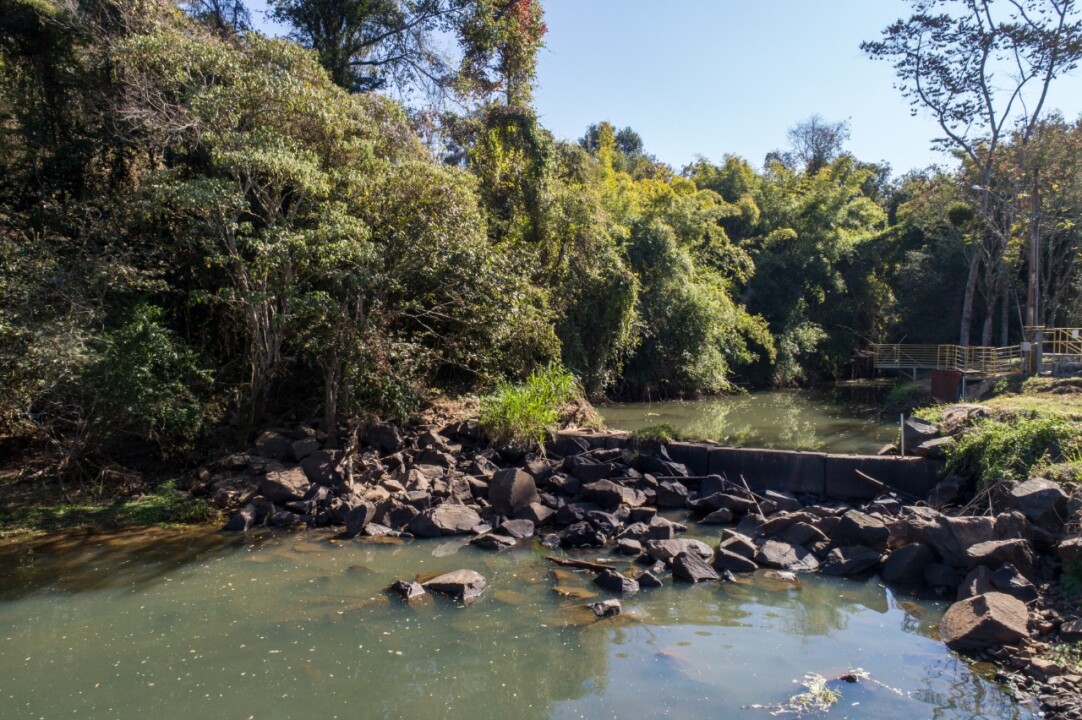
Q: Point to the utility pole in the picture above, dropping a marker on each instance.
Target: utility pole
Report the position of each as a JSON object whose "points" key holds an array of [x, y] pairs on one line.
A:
{"points": [[1033, 294]]}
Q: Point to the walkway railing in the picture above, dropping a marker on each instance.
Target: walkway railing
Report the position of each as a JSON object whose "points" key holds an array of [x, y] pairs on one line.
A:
{"points": [[976, 360]]}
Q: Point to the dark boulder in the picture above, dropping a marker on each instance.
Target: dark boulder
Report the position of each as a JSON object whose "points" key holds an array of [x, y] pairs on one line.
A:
{"points": [[463, 585], [273, 445], [994, 553], [610, 494], [691, 567], [325, 467], [358, 518], [672, 494], [1042, 501], [517, 529], [647, 579], [851, 560], [905, 566], [407, 590], [511, 490], [1007, 579], [281, 486], [582, 534], [385, 437], [242, 520], [721, 516], [782, 555], [857, 528], [493, 541], [667, 550], [447, 519], [537, 513], [605, 608], [615, 582], [725, 560], [984, 622]]}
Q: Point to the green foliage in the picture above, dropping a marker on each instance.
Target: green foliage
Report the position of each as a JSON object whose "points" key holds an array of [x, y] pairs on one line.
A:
{"points": [[162, 505], [1011, 450], [148, 385], [659, 433], [1072, 583], [528, 414]]}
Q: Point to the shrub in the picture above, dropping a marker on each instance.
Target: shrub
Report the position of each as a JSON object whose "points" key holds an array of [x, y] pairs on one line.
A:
{"points": [[529, 412], [998, 450], [147, 385]]}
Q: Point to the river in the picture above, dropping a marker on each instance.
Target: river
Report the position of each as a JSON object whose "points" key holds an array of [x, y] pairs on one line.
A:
{"points": [[192, 624], [843, 419]]}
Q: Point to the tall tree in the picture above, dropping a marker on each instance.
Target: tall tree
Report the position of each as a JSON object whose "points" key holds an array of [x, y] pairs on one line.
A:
{"points": [[817, 143], [500, 40], [374, 44], [982, 69]]}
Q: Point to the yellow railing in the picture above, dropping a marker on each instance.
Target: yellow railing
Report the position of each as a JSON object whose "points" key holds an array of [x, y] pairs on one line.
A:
{"points": [[978, 360], [1062, 341]]}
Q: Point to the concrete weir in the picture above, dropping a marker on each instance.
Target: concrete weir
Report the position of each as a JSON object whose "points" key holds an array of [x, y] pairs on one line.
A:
{"points": [[851, 477]]}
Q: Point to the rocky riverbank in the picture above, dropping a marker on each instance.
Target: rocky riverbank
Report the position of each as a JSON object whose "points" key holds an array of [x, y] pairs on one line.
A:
{"points": [[1002, 566]]}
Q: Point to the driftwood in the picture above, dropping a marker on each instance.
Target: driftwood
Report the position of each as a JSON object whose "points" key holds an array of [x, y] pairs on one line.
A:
{"points": [[581, 564]]}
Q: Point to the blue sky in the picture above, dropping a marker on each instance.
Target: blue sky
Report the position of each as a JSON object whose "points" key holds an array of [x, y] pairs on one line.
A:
{"points": [[711, 77]]}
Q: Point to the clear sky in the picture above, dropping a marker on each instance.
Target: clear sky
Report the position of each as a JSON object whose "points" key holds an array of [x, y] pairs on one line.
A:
{"points": [[710, 77]]}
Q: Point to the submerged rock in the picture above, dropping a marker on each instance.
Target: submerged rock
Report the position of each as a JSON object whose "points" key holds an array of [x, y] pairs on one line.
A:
{"points": [[605, 608], [407, 590], [463, 585]]}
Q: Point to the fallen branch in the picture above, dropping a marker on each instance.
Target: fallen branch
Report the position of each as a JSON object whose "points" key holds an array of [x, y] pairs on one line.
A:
{"points": [[581, 564]]}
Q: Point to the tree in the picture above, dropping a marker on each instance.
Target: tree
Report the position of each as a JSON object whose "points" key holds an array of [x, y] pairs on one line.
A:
{"points": [[374, 44], [224, 17], [499, 41], [816, 142], [982, 69]]}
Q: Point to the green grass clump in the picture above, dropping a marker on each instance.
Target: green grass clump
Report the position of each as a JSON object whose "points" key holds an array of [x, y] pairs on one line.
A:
{"points": [[164, 505], [1014, 450], [528, 413], [659, 433], [905, 393]]}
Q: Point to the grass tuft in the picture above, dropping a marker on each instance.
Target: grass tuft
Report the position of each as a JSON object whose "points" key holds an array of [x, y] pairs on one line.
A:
{"points": [[528, 413], [1013, 450]]}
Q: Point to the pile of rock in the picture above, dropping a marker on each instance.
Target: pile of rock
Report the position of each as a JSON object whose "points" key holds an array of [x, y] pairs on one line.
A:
{"points": [[435, 482]]}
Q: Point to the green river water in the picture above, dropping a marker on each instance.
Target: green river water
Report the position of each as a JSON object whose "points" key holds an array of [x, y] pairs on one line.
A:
{"points": [[844, 419], [170, 624]]}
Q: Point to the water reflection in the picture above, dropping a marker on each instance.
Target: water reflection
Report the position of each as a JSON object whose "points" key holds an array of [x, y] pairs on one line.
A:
{"points": [[300, 626], [840, 421]]}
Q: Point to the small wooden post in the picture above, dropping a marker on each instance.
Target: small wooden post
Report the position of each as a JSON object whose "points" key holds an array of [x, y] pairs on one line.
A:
{"points": [[901, 423]]}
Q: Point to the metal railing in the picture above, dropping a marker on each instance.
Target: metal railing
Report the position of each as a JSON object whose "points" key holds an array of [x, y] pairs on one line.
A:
{"points": [[1061, 341], [976, 360]]}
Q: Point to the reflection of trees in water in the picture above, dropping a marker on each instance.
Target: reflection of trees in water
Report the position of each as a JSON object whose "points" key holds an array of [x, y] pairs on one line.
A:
{"points": [[949, 689], [75, 562]]}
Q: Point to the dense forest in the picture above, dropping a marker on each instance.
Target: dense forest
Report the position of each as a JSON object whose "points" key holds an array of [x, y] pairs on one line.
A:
{"points": [[204, 229]]}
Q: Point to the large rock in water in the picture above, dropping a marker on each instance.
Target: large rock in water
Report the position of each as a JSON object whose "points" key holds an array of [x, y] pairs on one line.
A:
{"points": [[851, 560], [667, 550], [281, 486], [782, 555], [984, 621], [511, 490], [689, 566], [615, 582], [447, 519], [906, 565], [463, 585]]}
